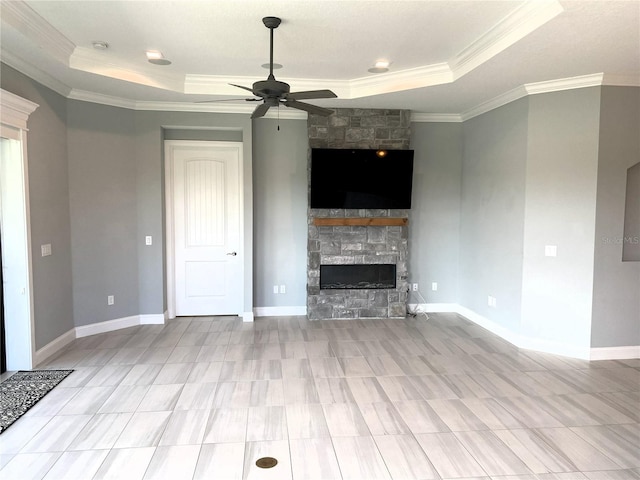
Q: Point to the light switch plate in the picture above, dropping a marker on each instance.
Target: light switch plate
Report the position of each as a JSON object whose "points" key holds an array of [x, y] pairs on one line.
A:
{"points": [[45, 249], [550, 250]]}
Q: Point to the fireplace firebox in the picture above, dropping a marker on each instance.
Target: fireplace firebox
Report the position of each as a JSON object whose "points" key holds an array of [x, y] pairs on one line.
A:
{"points": [[358, 277]]}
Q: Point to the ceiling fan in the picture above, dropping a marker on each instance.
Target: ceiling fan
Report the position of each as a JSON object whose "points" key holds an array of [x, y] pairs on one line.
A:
{"points": [[274, 93]]}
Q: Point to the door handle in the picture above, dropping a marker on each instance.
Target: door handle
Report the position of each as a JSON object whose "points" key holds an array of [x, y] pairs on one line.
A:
{"points": [[233, 254]]}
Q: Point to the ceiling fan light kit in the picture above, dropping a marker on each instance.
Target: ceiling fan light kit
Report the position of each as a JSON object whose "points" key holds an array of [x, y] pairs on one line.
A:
{"points": [[275, 93]]}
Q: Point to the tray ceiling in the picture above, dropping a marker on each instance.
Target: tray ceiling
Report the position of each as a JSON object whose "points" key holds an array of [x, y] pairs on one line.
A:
{"points": [[445, 57]]}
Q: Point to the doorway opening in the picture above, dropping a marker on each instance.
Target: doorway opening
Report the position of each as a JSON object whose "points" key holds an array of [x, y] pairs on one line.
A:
{"points": [[17, 301]]}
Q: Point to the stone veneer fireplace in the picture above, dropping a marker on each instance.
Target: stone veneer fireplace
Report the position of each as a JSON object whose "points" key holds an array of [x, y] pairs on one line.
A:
{"points": [[350, 238]]}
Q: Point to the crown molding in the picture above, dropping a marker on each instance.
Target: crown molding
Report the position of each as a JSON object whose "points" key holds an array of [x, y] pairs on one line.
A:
{"points": [[533, 89], [426, 76], [34, 73], [492, 104], [215, 84], [408, 79], [222, 85], [234, 108], [525, 19], [549, 86], [24, 19], [100, 63], [243, 109], [108, 100], [583, 81], [418, 117], [222, 107]]}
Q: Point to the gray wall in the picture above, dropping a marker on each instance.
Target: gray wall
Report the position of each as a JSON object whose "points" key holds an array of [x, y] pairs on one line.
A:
{"points": [[280, 210], [492, 212], [150, 128], [434, 222], [616, 302], [104, 224], [560, 210], [488, 195], [49, 203]]}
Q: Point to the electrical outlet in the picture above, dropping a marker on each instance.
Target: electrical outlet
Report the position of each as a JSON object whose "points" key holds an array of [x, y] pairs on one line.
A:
{"points": [[414, 287], [550, 250], [283, 289], [275, 289], [491, 301], [45, 249], [148, 240], [434, 286], [110, 300]]}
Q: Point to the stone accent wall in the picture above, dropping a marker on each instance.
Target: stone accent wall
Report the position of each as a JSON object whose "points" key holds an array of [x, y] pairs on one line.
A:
{"points": [[361, 128], [345, 245]]}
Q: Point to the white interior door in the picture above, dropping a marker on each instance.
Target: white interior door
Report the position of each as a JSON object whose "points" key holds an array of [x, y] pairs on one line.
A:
{"points": [[207, 217]]}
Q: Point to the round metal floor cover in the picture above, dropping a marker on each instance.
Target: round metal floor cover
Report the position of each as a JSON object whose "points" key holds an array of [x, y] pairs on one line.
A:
{"points": [[266, 462]]}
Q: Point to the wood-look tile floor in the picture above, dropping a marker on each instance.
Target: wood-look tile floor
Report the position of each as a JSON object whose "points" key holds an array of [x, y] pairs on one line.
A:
{"points": [[414, 399]]}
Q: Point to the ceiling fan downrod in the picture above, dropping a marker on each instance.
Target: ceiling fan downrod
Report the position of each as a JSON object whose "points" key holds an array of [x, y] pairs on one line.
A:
{"points": [[271, 23]]}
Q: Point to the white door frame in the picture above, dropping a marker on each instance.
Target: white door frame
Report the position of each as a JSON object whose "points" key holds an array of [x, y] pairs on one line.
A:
{"points": [[170, 214], [19, 330]]}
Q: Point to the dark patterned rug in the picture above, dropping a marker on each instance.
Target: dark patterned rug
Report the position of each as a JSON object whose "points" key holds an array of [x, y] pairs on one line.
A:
{"points": [[23, 390]]}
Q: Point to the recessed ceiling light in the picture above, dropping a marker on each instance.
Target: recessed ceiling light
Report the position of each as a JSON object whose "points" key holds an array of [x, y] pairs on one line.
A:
{"points": [[276, 66], [157, 58], [381, 66], [159, 61], [100, 45]]}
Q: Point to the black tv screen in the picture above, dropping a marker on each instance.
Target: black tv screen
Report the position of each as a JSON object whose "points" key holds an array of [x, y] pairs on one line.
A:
{"points": [[361, 178]]}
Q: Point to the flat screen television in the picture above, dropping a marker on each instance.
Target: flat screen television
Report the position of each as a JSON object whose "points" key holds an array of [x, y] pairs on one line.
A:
{"points": [[361, 178]]}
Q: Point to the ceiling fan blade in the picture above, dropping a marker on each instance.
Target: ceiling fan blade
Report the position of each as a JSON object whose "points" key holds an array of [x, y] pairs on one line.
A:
{"points": [[231, 100], [260, 111], [312, 94], [240, 86], [325, 112]]}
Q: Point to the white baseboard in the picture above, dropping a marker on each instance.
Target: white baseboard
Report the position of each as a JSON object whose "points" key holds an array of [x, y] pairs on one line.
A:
{"points": [[531, 343], [63, 340], [435, 307], [615, 353], [55, 346], [152, 319], [280, 311], [502, 332], [108, 326], [247, 316]]}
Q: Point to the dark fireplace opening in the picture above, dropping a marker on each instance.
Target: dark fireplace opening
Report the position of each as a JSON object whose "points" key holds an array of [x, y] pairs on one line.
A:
{"points": [[372, 276]]}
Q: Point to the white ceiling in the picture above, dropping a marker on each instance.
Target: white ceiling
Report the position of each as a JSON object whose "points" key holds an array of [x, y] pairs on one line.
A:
{"points": [[447, 57]]}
